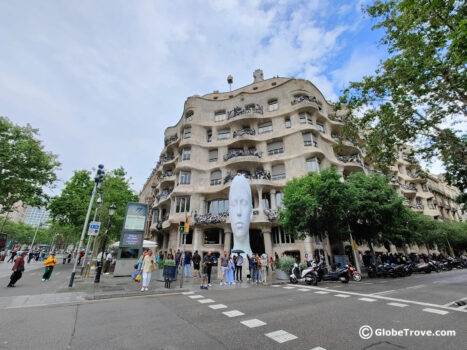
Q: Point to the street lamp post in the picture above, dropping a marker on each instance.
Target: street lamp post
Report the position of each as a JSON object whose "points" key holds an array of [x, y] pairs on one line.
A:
{"points": [[112, 210], [97, 182], [99, 203], [35, 234]]}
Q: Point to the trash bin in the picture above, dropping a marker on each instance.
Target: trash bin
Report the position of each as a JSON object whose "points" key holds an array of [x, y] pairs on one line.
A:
{"points": [[169, 275]]}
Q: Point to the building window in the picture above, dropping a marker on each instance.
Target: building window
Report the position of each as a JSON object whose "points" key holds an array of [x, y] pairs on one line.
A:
{"points": [[288, 124], [223, 134], [312, 164], [278, 172], [216, 178], [186, 238], [266, 201], [187, 133], [305, 118], [155, 215], [279, 197], [320, 127], [208, 135], [424, 188], [182, 204], [273, 105], [186, 154], [214, 236], [275, 148], [265, 128], [189, 116], [280, 237], [218, 206], [185, 177], [213, 155], [220, 116], [309, 139]]}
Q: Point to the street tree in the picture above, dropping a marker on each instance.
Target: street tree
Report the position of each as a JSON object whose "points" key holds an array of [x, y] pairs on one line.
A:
{"points": [[417, 95], [313, 205], [25, 167], [376, 213], [70, 207]]}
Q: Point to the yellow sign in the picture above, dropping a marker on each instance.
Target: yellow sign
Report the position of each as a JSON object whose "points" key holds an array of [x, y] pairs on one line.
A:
{"points": [[354, 245]]}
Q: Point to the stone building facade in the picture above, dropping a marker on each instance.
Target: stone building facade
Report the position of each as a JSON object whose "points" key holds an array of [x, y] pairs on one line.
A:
{"points": [[272, 131]]}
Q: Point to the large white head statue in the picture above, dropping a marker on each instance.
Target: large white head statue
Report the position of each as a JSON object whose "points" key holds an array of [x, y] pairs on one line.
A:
{"points": [[240, 213]]}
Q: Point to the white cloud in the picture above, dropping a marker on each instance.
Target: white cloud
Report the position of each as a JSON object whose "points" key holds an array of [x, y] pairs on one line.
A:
{"points": [[103, 80]]}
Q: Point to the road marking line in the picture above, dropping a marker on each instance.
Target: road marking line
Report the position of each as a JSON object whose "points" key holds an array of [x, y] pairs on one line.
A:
{"points": [[195, 296], [188, 293], [435, 311], [218, 306], [385, 292], [303, 290], [233, 313], [417, 286], [318, 348], [321, 292], [397, 304], [253, 323], [206, 301], [275, 286], [342, 295], [387, 298], [367, 299], [288, 287], [280, 336]]}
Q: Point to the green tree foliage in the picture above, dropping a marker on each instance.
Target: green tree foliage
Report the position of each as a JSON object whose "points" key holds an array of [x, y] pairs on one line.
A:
{"points": [[419, 90], [23, 234], [25, 168], [376, 212], [312, 205], [70, 207]]}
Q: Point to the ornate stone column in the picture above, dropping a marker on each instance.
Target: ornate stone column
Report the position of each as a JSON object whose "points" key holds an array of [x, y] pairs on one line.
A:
{"points": [[260, 198], [267, 242], [227, 240], [272, 194], [197, 237]]}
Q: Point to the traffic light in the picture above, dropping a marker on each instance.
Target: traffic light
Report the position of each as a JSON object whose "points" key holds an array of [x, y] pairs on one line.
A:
{"points": [[187, 225], [181, 226], [100, 174]]}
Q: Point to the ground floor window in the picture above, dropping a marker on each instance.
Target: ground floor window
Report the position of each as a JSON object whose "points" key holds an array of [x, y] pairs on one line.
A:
{"points": [[186, 238], [280, 237], [214, 236]]}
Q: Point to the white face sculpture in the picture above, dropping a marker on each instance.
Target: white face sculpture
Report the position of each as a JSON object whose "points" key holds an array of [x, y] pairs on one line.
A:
{"points": [[240, 208]]}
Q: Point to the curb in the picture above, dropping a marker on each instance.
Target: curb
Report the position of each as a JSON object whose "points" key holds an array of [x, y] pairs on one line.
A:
{"points": [[136, 294]]}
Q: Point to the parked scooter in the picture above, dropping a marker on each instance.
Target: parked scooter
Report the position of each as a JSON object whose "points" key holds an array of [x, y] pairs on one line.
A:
{"points": [[357, 277], [339, 274], [382, 270], [307, 275]]}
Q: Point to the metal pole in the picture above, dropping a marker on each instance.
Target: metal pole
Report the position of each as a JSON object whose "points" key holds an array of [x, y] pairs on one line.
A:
{"points": [[357, 263], [37, 229], [89, 243], [99, 265], [94, 190], [182, 259]]}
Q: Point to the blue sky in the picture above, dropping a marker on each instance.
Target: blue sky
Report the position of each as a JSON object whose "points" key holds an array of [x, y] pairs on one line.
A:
{"points": [[101, 80]]}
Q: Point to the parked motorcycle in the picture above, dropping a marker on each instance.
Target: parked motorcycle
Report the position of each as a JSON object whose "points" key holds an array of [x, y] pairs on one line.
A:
{"points": [[382, 270], [357, 277], [307, 275], [340, 274]]}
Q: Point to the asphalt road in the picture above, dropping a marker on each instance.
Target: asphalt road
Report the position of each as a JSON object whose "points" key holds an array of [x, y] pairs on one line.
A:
{"points": [[328, 316]]}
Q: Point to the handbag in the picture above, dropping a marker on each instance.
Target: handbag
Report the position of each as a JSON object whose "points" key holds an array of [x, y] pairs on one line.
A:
{"points": [[20, 269], [136, 266]]}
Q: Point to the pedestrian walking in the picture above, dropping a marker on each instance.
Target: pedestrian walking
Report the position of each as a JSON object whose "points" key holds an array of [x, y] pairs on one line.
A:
{"points": [[187, 263], [208, 262], [238, 268], [257, 268], [178, 256], [224, 262], [18, 269], [49, 266], [108, 261], [271, 263], [147, 268], [264, 268], [12, 256], [30, 256], [196, 261], [251, 267]]}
